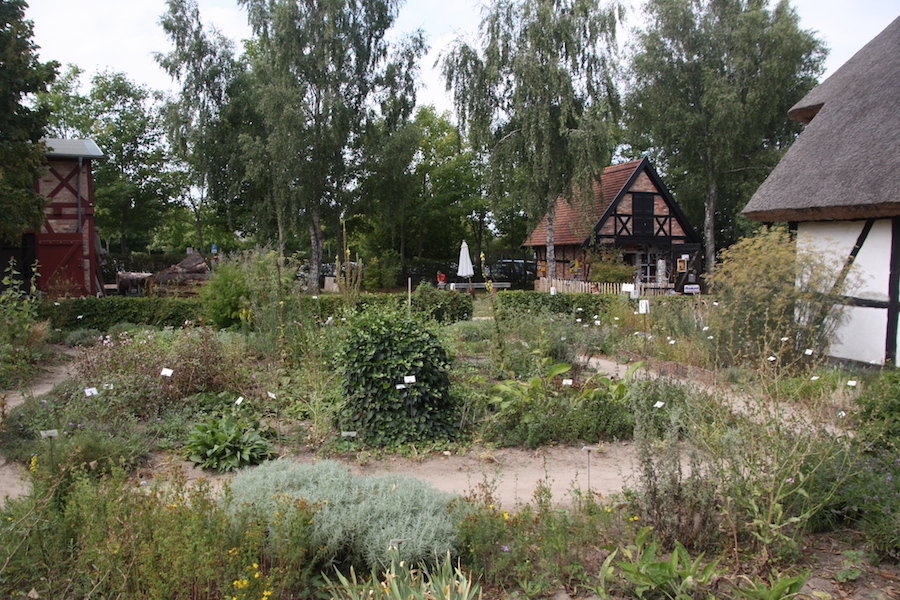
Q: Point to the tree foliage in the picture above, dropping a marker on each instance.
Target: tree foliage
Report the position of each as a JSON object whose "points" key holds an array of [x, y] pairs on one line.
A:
{"points": [[134, 181], [317, 67], [419, 192], [539, 97], [21, 126], [711, 84], [204, 64]]}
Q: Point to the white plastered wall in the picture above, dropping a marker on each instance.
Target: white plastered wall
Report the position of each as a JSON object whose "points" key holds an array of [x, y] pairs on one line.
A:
{"points": [[861, 334]]}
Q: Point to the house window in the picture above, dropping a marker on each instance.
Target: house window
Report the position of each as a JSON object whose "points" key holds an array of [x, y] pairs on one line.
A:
{"points": [[642, 211]]}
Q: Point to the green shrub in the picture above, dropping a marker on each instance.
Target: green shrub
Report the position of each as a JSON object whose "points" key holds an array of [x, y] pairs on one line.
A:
{"points": [[227, 443], [127, 370], [395, 381], [358, 516], [105, 313], [440, 305], [225, 294], [776, 296]]}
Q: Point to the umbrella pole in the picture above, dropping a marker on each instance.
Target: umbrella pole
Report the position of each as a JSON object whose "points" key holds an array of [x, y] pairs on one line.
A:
{"points": [[471, 288]]}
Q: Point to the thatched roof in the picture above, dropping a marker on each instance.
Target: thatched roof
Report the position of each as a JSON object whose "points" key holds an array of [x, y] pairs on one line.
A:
{"points": [[575, 220], [846, 163]]}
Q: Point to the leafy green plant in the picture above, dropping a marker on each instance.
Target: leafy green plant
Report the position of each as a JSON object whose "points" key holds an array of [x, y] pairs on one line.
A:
{"points": [[850, 566], [545, 409], [778, 587], [227, 443], [401, 581], [395, 381], [649, 575], [21, 332]]}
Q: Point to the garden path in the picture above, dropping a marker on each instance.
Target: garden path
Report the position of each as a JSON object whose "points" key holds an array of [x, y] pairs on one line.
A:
{"points": [[13, 482]]}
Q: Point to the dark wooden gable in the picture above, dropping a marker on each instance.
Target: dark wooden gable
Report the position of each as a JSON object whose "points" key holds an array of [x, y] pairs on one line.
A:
{"points": [[643, 212]]}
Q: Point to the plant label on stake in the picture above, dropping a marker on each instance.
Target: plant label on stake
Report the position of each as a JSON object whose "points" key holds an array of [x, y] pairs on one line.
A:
{"points": [[409, 379], [166, 372], [90, 391]]}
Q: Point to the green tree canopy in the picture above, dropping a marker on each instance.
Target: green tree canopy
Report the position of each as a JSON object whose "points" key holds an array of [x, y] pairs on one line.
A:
{"points": [[21, 126], [539, 98], [711, 83], [203, 63], [134, 182], [318, 68]]}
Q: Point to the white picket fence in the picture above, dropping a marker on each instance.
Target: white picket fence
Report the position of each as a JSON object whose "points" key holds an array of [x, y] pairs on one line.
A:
{"points": [[572, 286]]}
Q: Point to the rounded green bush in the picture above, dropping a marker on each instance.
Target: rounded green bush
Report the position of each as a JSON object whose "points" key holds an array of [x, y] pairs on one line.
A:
{"points": [[395, 382]]}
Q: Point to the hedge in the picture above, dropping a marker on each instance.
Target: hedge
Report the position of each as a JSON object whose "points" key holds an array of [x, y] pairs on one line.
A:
{"points": [[169, 311], [510, 301], [103, 313]]}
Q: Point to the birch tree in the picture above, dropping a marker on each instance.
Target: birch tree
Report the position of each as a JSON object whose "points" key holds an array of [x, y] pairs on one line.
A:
{"points": [[710, 88], [538, 97]]}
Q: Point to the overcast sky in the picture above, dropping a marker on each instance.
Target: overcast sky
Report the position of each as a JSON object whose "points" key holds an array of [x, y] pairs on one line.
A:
{"points": [[121, 35]]}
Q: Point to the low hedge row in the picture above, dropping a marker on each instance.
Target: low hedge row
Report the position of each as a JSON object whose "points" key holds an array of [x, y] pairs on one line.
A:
{"points": [[167, 311], [514, 301], [103, 313]]}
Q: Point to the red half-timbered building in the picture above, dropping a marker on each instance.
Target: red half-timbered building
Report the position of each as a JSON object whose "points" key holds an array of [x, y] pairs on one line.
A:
{"points": [[67, 248], [632, 215]]}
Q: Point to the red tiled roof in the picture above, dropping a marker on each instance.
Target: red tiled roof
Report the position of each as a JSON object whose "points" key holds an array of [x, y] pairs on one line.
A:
{"points": [[576, 220]]}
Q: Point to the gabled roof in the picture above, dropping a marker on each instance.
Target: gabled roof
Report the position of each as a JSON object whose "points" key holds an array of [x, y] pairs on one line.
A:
{"points": [[846, 163], [575, 220], [582, 223], [58, 148]]}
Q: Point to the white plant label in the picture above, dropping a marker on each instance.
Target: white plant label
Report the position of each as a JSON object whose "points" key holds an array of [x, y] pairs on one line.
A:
{"points": [[409, 379], [91, 391], [166, 372]]}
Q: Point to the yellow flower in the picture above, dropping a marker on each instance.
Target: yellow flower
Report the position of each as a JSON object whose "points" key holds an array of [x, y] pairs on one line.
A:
{"points": [[34, 463]]}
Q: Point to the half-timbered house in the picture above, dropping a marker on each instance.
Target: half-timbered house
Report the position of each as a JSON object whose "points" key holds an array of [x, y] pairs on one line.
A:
{"points": [[632, 215], [839, 188], [66, 248]]}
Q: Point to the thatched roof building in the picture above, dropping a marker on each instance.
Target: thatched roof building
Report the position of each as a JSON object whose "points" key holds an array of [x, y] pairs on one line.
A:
{"points": [[846, 163], [839, 188]]}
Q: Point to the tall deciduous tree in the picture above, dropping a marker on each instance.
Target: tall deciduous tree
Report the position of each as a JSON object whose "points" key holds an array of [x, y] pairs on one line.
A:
{"points": [[21, 126], [203, 63], [133, 183], [539, 96], [711, 84], [318, 67]]}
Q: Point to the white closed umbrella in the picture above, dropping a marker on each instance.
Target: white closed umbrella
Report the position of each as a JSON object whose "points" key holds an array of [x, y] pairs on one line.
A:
{"points": [[465, 265], [465, 262]]}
